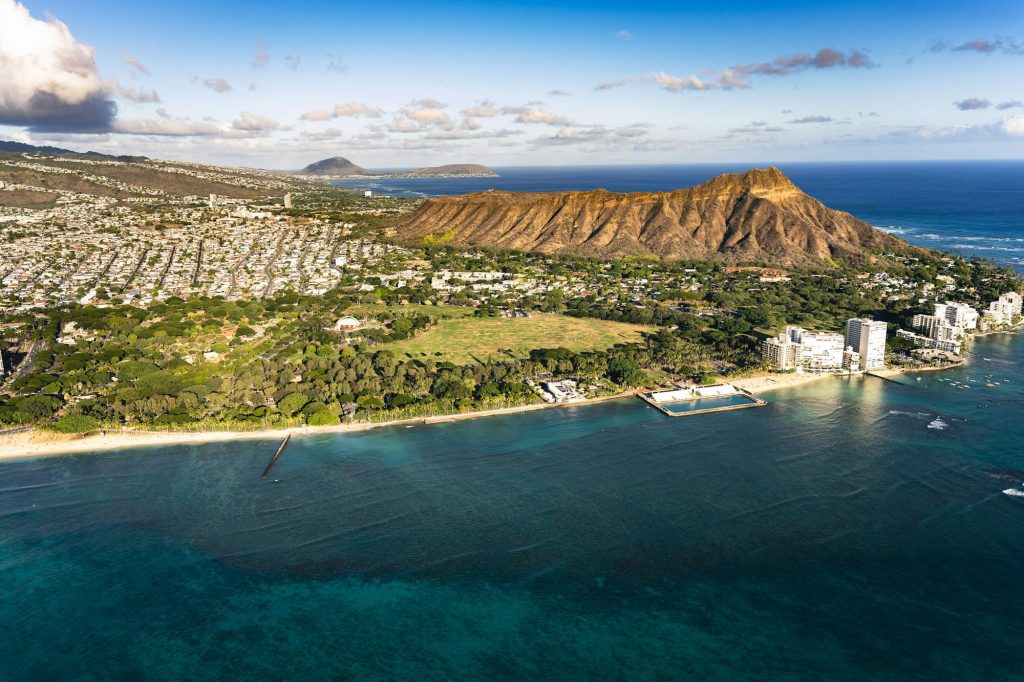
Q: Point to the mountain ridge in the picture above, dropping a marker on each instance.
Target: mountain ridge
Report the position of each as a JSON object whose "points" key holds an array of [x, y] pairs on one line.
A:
{"points": [[758, 215]]}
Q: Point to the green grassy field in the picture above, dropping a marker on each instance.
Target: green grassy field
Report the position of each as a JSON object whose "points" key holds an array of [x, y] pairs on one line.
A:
{"points": [[361, 310], [469, 339]]}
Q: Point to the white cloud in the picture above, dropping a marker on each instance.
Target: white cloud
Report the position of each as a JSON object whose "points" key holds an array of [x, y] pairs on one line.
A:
{"points": [[355, 109], [429, 103], [165, 127], [1013, 126], [254, 123], [485, 109], [48, 80], [536, 116], [217, 84], [139, 96], [316, 115], [129, 59]]}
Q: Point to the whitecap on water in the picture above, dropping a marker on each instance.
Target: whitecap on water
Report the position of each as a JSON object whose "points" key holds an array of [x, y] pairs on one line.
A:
{"points": [[937, 424]]}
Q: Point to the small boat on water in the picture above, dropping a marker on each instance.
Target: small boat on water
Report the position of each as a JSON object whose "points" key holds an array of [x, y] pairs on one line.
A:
{"points": [[1014, 492]]}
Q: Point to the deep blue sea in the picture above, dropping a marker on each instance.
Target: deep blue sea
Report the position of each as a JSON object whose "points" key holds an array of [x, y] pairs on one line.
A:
{"points": [[850, 530], [971, 207]]}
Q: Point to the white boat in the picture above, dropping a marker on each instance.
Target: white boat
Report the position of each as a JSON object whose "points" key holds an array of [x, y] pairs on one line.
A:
{"points": [[1014, 492]]}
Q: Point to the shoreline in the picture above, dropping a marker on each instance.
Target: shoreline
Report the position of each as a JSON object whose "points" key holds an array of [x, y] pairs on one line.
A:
{"points": [[34, 443]]}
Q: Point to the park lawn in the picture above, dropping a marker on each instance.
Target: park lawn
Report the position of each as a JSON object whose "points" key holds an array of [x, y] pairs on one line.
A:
{"points": [[365, 310], [474, 339]]}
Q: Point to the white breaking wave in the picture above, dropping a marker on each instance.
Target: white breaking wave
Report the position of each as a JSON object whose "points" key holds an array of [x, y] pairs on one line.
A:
{"points": [[916, 415]]}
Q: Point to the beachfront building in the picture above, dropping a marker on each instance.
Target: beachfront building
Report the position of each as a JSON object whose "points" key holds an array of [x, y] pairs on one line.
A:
{"points": [[802, 350], [818, 351], [867, 337], [780, 353], [923, 341], [1004, 310], [935, 332], [958, 315]]}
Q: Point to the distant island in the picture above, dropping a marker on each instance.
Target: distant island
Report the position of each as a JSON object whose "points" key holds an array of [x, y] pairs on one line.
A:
{"points": [[340, 167]]}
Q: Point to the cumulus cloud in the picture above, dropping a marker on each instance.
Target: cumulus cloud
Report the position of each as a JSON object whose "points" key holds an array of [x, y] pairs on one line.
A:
{"points": [[129, 59], [737, 77], [166, 127], [317, 115], [48, 80], [1012, 104], [292, 61], [1013, 126], [427, 115], [421, 115], [429, 103], [972, 104], [528, 115], [261, 56], [813, 119], [217, 84], [353, 109], [485, 109], [347, 110], [254, 123], [139, 96]]}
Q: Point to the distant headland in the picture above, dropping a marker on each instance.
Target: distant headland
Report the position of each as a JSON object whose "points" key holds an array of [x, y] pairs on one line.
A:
{"points": [[340, 167]]}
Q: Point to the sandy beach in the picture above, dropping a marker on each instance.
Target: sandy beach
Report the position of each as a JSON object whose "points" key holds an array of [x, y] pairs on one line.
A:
{"points": [[37, 443], [771, 382]]}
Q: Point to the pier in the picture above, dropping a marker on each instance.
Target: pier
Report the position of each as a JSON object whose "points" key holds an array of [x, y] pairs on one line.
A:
{"points": [[650, 399], [277, 455]]}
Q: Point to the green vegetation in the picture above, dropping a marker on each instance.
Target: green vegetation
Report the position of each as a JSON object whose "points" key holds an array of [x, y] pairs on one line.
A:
{"points": [[472, 339]]}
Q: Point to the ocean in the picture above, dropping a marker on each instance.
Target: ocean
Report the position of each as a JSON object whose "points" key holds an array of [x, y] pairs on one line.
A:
{"points": [[969, 207], [849, 530]]}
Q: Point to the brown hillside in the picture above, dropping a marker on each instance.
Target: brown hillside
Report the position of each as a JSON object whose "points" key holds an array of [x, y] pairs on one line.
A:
{"points": [[759, 215]]}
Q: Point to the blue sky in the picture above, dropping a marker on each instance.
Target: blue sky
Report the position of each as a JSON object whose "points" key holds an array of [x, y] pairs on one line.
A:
{"points": [[515, 83]]}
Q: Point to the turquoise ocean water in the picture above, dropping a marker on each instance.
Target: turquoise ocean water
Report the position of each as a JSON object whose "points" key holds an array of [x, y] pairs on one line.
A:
{"points": [[851, 530]]}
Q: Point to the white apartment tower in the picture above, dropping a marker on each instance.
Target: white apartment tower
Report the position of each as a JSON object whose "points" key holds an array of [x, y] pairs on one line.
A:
{"points": [[867, 337], [288, 200], [957, 314]]}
